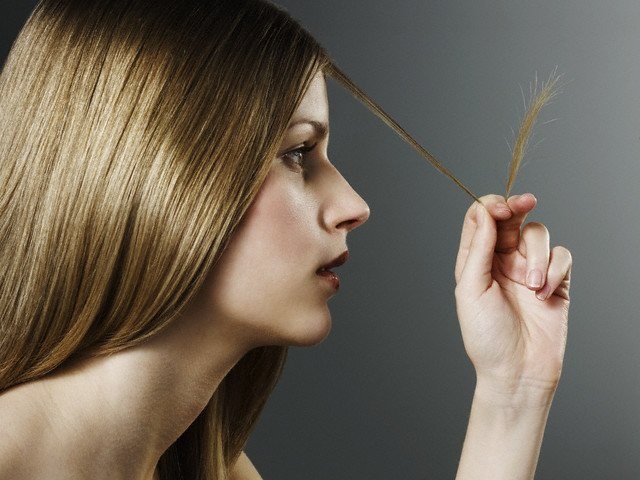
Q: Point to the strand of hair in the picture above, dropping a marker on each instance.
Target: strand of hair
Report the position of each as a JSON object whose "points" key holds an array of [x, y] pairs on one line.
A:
{"points": [[538, 100], [339, 76]]}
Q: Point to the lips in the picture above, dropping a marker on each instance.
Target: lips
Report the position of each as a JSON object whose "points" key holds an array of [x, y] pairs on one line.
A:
{"points": [[330, 276]]}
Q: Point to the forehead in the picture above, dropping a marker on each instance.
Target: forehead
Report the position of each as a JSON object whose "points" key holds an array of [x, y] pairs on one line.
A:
{"points": [[314, 104]]}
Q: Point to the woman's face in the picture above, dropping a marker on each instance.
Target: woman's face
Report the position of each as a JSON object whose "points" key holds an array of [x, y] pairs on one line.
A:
{"points": [[273, 282]]}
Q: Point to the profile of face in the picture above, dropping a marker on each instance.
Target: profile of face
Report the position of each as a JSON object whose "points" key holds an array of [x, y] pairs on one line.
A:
{"points": [[274, 280]]}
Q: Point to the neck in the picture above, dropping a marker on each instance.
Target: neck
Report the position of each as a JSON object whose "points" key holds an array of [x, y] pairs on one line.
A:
{"points": [[114, 416]]}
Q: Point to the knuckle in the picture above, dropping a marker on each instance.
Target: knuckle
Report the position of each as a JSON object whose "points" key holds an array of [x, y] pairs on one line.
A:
{"points": [[563, 252], [458, 293], [470, 215]]}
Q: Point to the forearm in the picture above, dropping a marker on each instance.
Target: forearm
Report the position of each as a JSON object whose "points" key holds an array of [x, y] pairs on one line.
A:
{"points": [[505, 432]]}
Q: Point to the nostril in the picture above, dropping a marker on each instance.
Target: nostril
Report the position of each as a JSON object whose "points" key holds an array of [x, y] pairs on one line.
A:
{"points": [[348, 224], [353, 222]]}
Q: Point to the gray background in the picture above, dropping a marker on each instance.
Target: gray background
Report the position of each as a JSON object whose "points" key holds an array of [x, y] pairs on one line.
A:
{"points": [[386, 396]]}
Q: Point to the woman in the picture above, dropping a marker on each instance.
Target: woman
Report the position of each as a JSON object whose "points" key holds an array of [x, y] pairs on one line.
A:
{"points": [[171, 222]]}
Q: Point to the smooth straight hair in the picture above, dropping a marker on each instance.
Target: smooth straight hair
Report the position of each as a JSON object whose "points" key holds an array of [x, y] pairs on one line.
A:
{"points": [[134, 134]]}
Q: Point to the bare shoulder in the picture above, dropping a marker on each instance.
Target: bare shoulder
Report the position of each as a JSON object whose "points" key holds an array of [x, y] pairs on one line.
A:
{"points": [[12, 454], [244, 469], [10, 463], [20, 431]]}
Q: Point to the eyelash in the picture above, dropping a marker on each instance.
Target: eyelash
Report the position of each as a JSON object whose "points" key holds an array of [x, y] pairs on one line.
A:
{"points": [[297, 156]]}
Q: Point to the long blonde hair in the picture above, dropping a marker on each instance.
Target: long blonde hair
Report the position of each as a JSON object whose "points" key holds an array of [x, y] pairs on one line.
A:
{"points": [[134, 134]]}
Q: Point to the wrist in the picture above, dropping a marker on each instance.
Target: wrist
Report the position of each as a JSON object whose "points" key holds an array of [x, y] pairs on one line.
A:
{"points": [[516, 393], [506, 427]]}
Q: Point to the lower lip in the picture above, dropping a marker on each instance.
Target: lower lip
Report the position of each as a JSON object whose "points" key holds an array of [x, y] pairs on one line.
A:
{"points": [[331, 278]]}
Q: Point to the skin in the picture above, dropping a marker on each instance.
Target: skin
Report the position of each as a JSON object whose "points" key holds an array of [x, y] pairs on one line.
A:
{"points": [[298, 222], [113, 417], [514, 327]]}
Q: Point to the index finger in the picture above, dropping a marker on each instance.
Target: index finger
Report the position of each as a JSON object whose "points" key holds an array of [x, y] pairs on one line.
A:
{"points": [[497, 207], [509, 230]]}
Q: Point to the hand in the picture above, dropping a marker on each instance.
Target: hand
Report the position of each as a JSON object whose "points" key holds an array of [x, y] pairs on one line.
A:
{"points": [[512, 297]]}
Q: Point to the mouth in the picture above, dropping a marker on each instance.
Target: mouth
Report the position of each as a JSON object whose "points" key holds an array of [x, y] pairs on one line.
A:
{"points": [[329, 275]]}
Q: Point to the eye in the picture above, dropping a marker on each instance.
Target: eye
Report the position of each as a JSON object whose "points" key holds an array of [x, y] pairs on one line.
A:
{"points": [[297, 158]]}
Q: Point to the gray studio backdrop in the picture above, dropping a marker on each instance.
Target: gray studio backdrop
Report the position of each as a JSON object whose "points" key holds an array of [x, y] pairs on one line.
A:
{"points": [[387, 395]]}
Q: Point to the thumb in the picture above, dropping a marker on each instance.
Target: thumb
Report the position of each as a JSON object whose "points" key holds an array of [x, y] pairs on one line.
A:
{"points": [[476, 275]]}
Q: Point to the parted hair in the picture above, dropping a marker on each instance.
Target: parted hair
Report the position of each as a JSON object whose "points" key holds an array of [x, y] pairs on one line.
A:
{"points": [[134, 134]]}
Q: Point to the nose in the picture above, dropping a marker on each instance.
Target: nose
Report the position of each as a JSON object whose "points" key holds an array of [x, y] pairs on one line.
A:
{"points": [[342, 208]]}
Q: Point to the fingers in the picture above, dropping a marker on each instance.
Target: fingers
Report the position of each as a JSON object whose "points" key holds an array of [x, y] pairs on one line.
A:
{"points": [[522, 204], [497, 206], [499, 210], [477, 260], [558, 275], [469, 226], [509, 229], [534, 246], [496, 226]]}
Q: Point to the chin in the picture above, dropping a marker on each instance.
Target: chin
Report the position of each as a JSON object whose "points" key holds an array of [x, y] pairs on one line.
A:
{"points": [[311, 330]]}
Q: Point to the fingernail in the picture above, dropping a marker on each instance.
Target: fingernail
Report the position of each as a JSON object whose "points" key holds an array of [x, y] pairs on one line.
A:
{"points": [[480, 215], [534, 280]]}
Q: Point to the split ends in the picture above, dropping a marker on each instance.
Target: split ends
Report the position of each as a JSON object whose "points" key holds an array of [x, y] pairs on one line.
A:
{"points": [[539, 96]]}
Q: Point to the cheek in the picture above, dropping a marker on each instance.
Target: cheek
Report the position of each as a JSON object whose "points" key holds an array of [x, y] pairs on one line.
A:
{"points": [[282, 225], [271, 257]]}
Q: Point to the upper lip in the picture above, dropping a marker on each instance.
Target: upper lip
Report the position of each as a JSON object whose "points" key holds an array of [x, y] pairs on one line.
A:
{"points": [[336, 262]]}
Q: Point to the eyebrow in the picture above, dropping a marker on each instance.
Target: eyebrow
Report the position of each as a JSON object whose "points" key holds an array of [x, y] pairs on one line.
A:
{"points": [[321, 129]]}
